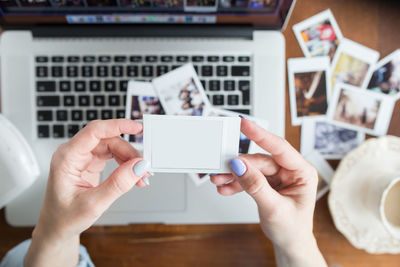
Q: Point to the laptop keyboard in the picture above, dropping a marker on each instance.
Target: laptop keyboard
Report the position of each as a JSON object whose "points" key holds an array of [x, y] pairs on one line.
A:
{"points": [[73, 90]]}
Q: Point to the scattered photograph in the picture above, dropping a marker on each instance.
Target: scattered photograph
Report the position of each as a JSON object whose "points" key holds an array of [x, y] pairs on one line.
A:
{"points": [[386, 77], [200, 5], [330, 140], [141, 99], [353, 64], [181, 92], [308, 87], [361, 109], [319, 35]]}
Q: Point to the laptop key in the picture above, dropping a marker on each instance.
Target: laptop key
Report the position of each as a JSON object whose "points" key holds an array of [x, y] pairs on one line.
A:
{"points": [[61, 115], [203, 82], [120, 58], [69, 100], [84, 100], [207, 71], [244, 87], [42, 86], [104, 59], [123, 85], [80, 86], [48, 101], [166, 59], [175, 67], [76, 115], [147, 71], [72, 71], [110, 86], [132, 71], [218, 100], [182, 59], [228, 58], [243, 111], [43, 131], [113, 100], [57, 59], [124, 99], [120, 113], [106, 114], [91, 114], [44, 115], [94, 86], [64, 86], [240, 70], [73, 59], [162, 69], [244, 59], [197, 58], [41, 71], [41, 59], [213, 58], [214, 85], [222, 71], [72, 129], [87, 71], [135, 59], [58, 131], [233, 100], [99, 100], [117, 71], [229, 85], [89, 59], [196, 68], [56, 71], [151, 58], [102, 71]]}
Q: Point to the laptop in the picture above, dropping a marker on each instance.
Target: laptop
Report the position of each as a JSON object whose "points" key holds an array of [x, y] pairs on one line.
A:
{"points": [[67, 62]]}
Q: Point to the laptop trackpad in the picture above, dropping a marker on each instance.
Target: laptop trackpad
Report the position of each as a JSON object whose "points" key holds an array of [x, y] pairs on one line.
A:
{"points": [[165, 193]]}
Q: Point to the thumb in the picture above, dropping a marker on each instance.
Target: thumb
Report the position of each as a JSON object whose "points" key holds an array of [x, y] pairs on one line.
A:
{"points": [[121, 180], [253, 182]]}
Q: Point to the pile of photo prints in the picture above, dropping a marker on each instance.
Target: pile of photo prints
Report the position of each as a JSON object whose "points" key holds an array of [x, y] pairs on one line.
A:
{"points": [[339, 92], [178, 92]]}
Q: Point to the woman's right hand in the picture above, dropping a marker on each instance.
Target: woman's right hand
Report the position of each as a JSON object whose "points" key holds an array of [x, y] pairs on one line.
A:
{"points": [[283, 185]]}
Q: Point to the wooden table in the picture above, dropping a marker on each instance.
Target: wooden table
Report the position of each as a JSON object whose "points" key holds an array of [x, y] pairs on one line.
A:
{"points": [[372, 23]]}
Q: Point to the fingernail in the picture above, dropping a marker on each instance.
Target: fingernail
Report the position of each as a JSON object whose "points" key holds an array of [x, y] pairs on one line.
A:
{"points": [[212, 174], [141, 167], [238, 166], [146, 181]]}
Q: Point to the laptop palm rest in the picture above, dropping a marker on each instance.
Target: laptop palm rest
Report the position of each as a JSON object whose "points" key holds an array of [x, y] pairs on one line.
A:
{"points": [[165, 193]]}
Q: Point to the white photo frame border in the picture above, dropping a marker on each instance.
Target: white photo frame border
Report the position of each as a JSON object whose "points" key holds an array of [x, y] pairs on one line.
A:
{"points": [[383, 117], [301, 65], [360, 52]]}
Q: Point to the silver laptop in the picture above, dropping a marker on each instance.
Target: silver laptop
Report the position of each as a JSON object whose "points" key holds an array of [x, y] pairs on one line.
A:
{"points": [[67, 62]]}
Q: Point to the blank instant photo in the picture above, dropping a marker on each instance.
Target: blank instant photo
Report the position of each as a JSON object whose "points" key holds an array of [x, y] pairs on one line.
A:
{"points": [[319, 35], [181, 92], [353, 64], [330, 140], [360, 109], [309, 87], [386, 76], [140, 99], [246, 146], [325, 172], [190, 144]]}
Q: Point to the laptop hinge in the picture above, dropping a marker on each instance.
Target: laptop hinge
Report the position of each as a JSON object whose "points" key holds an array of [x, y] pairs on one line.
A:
{"points": [[221, 31]]}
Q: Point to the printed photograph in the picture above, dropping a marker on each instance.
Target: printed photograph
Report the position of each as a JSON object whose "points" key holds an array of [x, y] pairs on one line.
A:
{"points": [[357, 108], [63, 3], [143, 105], [349, 70], [321, 39], [386, 78], [332, 140], [311, 93]]}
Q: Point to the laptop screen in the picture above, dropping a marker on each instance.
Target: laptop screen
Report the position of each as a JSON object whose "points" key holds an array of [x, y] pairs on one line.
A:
{"points": [[261, 13]]}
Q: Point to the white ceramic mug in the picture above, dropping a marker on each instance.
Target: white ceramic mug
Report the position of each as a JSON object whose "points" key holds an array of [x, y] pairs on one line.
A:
{"points": [[389, 206]]}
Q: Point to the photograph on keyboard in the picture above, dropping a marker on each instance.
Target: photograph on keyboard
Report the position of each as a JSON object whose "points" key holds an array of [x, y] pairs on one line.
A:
{"points": [[181, 92], [309, 87]]}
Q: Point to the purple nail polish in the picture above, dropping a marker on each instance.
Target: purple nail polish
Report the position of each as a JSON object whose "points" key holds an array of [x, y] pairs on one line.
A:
{"points": [[238, 166]]}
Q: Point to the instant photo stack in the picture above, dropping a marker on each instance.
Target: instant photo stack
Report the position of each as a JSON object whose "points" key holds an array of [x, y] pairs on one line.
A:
{"points": [[178, 92], [338, 92]]}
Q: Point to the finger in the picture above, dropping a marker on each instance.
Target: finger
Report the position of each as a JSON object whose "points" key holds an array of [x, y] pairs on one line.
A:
{"points": [[220, 179], [254, 183], [263, 162], [230, 189], [121, 181], [90, 136], [117, 148], [282, 152]]}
